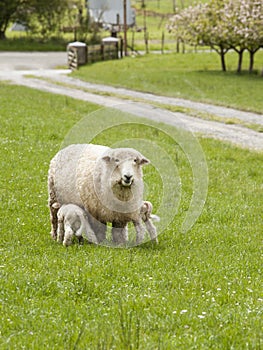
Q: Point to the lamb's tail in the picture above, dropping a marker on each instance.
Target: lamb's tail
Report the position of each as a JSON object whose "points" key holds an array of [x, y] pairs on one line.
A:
{"points": [[155, 218]]}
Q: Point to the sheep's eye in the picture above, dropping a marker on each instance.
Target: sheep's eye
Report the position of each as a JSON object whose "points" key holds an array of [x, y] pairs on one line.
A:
{"points": [[135, 160], [117, 161]]}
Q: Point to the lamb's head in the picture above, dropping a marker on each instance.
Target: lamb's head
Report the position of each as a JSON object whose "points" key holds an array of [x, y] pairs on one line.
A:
{"points": [[125, 165]]}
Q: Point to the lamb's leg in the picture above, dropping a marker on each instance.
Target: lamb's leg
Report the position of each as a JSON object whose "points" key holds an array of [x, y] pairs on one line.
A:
{"points": [[152, 230], [119, 233], [53, 211], [139, 228], [68, 236]]}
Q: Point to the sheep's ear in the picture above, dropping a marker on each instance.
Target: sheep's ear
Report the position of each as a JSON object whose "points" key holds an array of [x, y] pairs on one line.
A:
{"points": [[144, 161], [106, 158]]}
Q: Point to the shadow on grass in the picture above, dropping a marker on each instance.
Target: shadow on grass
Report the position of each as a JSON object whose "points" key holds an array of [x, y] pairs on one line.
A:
{"points": [[255, 74]]}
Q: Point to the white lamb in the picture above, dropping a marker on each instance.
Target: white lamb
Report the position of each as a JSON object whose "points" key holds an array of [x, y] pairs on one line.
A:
{"points": [[147, 217], [73, 221], [107, 183]]}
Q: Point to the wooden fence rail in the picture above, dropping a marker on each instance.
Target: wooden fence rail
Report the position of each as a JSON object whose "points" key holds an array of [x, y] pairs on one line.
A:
{"points": [[102, 52]]}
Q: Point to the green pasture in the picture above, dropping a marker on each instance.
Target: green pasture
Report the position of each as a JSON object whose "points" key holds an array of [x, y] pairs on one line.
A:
{"points": [[193, 76], [197, 290]]}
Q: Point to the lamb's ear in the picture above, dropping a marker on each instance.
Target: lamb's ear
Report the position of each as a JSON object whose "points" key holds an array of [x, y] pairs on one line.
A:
{"points": [[106, 158], [144, 161]]}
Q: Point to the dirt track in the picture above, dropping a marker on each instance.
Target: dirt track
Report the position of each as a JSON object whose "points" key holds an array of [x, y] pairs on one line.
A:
{"points": [[236, 134]]}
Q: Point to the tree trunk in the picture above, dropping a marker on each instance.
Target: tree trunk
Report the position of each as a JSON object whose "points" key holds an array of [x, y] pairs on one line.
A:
{"points": [[2, 35], [251, 61], [240, 60], [223, 62]]}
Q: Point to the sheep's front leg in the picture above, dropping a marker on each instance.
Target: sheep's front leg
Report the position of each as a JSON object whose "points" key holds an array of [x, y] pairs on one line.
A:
{"points": [[139, 228], [119, 233]]}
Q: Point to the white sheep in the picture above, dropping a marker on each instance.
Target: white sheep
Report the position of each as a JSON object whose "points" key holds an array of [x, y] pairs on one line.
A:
{"points": [[73, 221], [106, 182]]}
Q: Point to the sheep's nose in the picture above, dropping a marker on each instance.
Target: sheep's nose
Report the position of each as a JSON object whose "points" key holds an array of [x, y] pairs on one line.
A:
{"points": [[128, 178]]}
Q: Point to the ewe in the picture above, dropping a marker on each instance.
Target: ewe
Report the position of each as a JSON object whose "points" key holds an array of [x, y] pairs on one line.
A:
{"points": [[107, 183]]}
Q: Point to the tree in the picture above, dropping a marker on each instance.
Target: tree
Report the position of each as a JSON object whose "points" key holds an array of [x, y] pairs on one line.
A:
{"points": [[44, 16], [202, 25], [8, 8], [223, 25], [244, 23], [251, 17]]}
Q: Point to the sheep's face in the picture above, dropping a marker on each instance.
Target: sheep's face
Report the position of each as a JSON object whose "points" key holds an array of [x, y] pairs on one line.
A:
{"points": [[120, 184], [125, 166]]}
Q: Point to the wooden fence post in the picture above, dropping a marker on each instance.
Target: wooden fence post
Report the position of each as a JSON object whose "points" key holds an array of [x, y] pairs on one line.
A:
{"points": [[72, 58]]}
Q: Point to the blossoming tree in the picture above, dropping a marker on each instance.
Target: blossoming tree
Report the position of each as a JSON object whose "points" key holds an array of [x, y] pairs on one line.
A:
{"points": [[222, 25]]}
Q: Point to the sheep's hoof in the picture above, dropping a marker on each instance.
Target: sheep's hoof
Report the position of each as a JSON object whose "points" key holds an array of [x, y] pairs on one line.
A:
{"points": [[81, 240], [53, 235]]}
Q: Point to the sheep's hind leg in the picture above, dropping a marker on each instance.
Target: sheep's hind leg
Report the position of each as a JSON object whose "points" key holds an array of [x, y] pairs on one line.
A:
{"points": [[53, 211], [61, 231]]}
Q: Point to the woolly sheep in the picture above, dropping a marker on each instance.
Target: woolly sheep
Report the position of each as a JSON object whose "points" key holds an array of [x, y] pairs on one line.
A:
{"points": [[106, 182], [73, 221]]}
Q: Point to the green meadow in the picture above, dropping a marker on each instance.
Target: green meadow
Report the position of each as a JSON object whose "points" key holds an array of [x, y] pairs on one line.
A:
{"points": [[193, 76], [201, 289]]}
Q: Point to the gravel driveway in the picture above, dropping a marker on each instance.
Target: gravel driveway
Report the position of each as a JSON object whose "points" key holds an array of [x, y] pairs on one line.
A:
{"points": [[10, 61], [15, 66]]}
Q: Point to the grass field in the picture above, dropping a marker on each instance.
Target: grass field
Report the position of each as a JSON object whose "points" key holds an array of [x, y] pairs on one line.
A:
{"points": [[199, 290], [194, 76]]}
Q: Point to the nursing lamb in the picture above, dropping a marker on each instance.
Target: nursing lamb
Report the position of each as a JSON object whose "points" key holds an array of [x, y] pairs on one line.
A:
{"points": [[73, 221], [106, 182], [147, 217]]}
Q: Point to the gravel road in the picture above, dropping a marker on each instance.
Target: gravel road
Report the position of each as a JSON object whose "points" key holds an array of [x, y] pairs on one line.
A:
{"points": [[236, 134]]}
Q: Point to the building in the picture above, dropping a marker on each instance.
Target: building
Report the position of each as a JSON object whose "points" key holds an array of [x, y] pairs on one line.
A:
{"points": [[111, 12]]}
